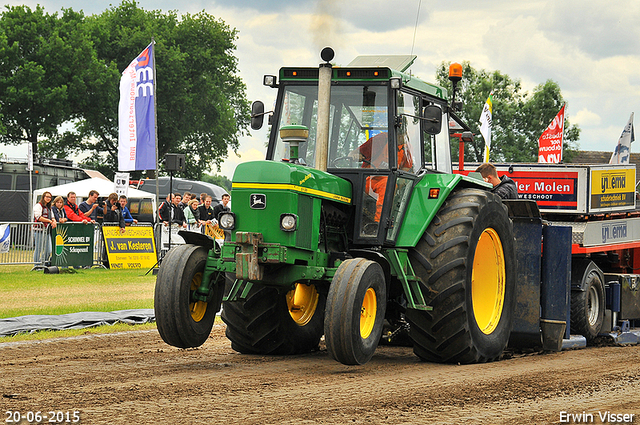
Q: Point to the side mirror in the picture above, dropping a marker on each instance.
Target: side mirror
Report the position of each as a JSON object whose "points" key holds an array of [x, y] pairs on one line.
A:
{"points": [[432, 119], [257, 115]]}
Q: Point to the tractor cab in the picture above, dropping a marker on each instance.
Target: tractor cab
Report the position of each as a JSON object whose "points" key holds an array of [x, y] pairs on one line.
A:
{"points": [[385, 131]]}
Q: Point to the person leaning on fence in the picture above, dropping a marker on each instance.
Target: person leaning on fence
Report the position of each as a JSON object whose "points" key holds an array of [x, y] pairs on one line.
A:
{"points": [[42, 214], [192, 214], [57, 207], [128, 218], [171, 213], [90, 206], [222, 207], [113, 212], [186, 197], [72, 211], [164, 211]]}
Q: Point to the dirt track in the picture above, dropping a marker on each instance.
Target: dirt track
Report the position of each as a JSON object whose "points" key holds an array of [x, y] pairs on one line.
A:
{"points": [[136, 378]]}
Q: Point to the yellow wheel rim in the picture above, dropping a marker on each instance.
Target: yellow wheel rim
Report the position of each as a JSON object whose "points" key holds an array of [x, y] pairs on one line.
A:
{"points": [[198, 308], [368, 313], [488, 281], [302, 302]]}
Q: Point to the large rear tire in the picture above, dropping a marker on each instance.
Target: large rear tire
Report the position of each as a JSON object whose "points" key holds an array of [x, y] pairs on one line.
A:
{"points": [[467, 262], [268, 322], [182, 321], [588, 306], [355, 311]]}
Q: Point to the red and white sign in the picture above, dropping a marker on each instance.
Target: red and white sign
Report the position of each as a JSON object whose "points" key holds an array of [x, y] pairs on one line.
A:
{"points": [[550, 142]]}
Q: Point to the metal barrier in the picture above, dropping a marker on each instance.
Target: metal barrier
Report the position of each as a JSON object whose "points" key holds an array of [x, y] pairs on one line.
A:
{"points": [[30, 243], [24, 243]]}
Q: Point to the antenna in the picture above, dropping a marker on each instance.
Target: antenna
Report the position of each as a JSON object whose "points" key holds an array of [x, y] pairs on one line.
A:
{"points": [[415, 29]]}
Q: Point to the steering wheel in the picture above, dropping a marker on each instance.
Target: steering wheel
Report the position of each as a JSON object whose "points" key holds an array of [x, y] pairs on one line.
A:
{"points": [[342, 158]]}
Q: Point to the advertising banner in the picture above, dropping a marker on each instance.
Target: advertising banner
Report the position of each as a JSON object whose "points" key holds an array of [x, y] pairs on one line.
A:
{"points": [[133, 249], [550, 142], [551, 190], [136, 114], [72, 245], [612, 188]]}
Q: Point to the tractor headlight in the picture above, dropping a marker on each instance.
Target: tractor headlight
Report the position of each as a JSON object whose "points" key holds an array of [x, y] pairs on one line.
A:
{"points": [[288, 222], [227, 221]]}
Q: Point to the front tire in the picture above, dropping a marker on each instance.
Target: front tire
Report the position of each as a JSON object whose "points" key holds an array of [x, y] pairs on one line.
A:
{"points": [[466, 261], [355, 311], [182, 321], [269, 322]]}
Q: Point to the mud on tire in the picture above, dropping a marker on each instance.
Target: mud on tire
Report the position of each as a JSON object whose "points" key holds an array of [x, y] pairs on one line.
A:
{"points": [[472, 313]]}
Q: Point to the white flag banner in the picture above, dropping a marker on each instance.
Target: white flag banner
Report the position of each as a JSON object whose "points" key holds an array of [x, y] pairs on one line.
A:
{"points": [[485, 125], [5, 238], [622, 152], [136, 115]]}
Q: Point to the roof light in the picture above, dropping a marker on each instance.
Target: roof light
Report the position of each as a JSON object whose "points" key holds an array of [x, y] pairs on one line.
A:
{"points": [[455, 72]]}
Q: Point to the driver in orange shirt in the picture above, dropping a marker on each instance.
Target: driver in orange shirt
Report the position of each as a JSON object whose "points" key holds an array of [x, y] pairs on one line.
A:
{"points": [[374, 153]]}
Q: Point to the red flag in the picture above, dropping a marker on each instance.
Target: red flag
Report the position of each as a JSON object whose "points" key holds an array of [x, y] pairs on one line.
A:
{"points": [[550, 142]]}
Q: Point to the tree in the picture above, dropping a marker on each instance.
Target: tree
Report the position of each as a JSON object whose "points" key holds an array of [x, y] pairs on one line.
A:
{"points": [[46, 61], [518, 118], [219, 180], [201, 102]]}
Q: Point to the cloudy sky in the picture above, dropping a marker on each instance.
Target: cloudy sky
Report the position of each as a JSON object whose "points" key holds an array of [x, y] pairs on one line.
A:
{"points": [[591, 48]]}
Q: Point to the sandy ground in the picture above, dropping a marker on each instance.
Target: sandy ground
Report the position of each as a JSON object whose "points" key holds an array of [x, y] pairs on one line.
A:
{"points": [[135, 378]]}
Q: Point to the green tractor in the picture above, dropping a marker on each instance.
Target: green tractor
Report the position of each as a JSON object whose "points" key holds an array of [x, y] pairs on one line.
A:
{"points": [[353, 224]]}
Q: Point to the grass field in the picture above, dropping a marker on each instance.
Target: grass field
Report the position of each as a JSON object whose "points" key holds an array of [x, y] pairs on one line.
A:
{"points": [[24, 292]]}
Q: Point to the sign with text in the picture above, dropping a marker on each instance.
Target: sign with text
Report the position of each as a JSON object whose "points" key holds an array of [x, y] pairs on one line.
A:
{"points": [[72, 245], [133, 249], [612, 188]]}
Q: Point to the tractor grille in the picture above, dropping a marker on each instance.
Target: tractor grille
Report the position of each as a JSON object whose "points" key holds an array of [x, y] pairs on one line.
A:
{"points": [[305, 218]]}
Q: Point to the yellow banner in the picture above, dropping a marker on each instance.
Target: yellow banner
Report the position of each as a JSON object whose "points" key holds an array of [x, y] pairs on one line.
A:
{"points": [[133, 249], [613, 188]]}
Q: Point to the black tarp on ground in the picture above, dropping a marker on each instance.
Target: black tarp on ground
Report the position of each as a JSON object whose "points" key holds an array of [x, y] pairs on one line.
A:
{"points": [[88, 319]]}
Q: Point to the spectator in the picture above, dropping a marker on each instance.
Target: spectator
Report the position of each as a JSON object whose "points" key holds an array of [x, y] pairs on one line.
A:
{"points": [[206, 212], [72, 211], [223, 207], [128, 219], [113, 212], [42, 214], [202, 198], [186, 197], [57, 207], [192, 214], [172, 212], [90, 206], [164, 212]]}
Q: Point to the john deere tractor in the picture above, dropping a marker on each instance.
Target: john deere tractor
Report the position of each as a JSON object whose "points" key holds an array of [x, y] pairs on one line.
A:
{"points": [[353, 223]]}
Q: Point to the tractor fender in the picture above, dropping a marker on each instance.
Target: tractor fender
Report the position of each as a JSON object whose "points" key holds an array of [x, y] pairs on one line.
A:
{"points": [[378, 258], [199, 239], [580, 269]]}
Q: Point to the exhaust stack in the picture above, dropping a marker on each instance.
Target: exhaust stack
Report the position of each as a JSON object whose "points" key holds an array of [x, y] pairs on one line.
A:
{"points": [[324, 101]]}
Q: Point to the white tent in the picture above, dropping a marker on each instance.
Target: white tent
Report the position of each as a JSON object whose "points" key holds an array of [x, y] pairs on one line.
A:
{"points": [[83, 187]]}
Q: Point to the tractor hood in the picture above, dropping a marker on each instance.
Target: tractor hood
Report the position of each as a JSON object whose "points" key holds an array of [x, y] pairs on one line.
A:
{"points": [[266, 175]]}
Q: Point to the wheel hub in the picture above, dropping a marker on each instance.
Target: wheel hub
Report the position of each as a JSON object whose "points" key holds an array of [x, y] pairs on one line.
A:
{"points": [[488, 281]]}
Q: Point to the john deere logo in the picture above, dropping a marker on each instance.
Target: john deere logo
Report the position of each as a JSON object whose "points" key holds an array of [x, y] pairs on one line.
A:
{"points": [[258, 201]]}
